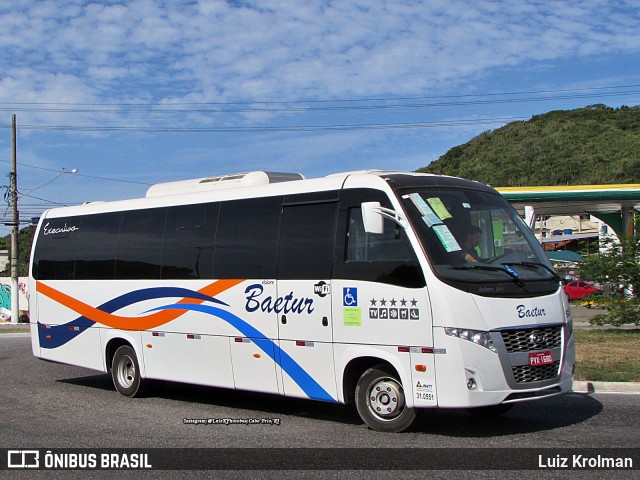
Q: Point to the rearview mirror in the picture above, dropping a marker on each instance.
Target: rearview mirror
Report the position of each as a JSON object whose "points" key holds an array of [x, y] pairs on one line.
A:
{"points": [[373, 221], [373, 215]]}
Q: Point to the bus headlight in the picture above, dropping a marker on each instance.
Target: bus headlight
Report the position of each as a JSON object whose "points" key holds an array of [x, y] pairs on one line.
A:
{"points": [[479, 338]]}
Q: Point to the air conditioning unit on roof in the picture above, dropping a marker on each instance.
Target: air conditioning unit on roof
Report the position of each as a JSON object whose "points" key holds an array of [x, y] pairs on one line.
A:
{"points": [[208, 184]]}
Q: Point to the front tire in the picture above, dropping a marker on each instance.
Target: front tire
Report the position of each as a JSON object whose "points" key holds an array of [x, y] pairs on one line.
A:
{"points": [[125, 372], [380, 401]]}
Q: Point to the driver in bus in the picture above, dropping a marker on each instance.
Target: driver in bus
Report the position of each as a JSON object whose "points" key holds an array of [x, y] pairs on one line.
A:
{"points": [[472, 240]]}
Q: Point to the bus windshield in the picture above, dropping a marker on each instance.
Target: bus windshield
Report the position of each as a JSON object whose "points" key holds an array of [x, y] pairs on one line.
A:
{"points": [[476, 237]]}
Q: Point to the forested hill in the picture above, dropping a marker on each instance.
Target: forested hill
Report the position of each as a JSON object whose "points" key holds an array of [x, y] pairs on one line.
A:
{"points": [[591, 145]]}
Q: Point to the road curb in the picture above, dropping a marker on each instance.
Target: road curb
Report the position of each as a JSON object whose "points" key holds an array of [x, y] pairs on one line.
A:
{"points": [[606, 387]]}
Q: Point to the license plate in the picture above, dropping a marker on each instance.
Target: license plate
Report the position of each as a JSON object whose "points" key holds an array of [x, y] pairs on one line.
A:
{"points": [[540, 358]]}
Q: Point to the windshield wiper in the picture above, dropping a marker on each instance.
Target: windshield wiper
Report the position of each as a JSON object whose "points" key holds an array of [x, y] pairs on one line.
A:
{"points": [[555, 276], [505, 268]]}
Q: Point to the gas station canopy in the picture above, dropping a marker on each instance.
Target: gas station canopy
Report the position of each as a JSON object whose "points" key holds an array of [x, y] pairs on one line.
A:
{"points": [[613, 204]]}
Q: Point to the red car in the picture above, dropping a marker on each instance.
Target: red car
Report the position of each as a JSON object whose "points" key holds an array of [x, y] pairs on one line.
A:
{"points": [[579, 289]]}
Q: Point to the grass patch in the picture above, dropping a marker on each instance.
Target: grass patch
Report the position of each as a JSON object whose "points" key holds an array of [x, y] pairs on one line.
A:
{"points": [[608, 355]]}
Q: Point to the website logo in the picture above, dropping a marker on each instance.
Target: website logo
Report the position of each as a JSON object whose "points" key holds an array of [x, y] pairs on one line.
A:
{"points": [[23, 459]]}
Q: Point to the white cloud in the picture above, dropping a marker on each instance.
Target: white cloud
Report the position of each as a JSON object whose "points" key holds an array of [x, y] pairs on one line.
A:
{"points": [[168, 53], [279, 49]]}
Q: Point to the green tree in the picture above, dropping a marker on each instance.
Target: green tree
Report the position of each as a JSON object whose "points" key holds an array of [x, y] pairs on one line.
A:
{"points": [[25, 239], [618, 265], [592, 145]]}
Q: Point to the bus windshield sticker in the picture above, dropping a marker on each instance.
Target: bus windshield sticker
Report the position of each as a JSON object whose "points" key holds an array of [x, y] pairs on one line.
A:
{"points": [[439, 208], [447, 239], [428, 216]]}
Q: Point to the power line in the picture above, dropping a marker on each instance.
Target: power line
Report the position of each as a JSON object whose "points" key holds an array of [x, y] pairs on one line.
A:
{"points": [[84, 175], [43, 200], [350, 106], [162, 109], [278, 128], [357, 100]]}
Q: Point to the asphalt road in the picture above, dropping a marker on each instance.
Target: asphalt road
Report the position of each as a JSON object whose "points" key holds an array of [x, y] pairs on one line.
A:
{"points": [[51, 406]]}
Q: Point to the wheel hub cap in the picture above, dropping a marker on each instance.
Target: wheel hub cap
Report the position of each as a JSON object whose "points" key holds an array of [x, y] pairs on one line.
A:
{"points": [[385, 399], [126, 372]]}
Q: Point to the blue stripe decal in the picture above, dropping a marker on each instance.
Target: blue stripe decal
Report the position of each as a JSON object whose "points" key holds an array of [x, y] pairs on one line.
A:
{"points": [[155, 292], [62, 334], [305, 381]]}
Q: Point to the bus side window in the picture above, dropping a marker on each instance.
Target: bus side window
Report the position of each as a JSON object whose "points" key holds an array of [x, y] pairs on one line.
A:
{"points": [[139, 251], [97, 241], [56, 248], [371, 247], [246, 239], [306, 241], [385, 258], [188, 241]]}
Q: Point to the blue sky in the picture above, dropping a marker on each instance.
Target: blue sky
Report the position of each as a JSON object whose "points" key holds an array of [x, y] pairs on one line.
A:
{"points": [[138, 92]]}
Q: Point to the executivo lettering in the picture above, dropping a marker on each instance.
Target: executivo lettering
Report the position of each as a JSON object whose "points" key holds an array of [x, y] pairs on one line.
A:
{"points": [[63, 229]]}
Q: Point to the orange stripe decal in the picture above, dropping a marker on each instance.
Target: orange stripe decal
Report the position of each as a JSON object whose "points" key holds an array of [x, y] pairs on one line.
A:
{"points": [[132, 323]]}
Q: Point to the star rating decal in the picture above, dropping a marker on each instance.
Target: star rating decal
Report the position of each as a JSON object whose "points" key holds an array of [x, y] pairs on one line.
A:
{"points": [[394, 309]]}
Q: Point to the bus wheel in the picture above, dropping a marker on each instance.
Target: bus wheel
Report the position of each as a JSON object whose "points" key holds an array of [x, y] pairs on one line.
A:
{"points": [[125, 372], [380, 401]]}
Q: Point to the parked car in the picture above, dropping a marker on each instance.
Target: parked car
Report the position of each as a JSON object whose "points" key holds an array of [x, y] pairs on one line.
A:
{"points": [[578, 289]]}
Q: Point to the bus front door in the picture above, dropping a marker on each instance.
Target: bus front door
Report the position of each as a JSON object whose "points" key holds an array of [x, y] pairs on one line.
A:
{"points": [[305, 256], [305, 339]]}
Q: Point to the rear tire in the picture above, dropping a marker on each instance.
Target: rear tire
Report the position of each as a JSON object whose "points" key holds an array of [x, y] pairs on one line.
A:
{"points": [[380, 401], [125, 372]]}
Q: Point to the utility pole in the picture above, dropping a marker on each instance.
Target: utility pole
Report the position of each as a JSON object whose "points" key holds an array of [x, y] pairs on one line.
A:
{"points": [[15, 310]]}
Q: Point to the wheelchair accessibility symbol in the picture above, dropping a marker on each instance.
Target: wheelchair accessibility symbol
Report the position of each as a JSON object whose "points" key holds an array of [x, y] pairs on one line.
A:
{"points": [[350, 297]]}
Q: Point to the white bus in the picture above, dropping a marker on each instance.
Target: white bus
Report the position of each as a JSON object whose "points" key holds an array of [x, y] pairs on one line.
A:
{"points": [[356, 287]]}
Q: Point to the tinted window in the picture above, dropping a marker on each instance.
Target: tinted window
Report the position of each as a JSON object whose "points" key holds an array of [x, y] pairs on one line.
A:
{"points": [[188, 241], [306, 241], [139, 252], [386, 258], [96, 247], [246, 240], [459, 228], [388, 246], [55, 253]]}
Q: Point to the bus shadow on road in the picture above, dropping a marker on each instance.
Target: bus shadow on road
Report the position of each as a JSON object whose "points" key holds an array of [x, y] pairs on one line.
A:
{"points": [[262, 404], [99, 381], [527, 417]]}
